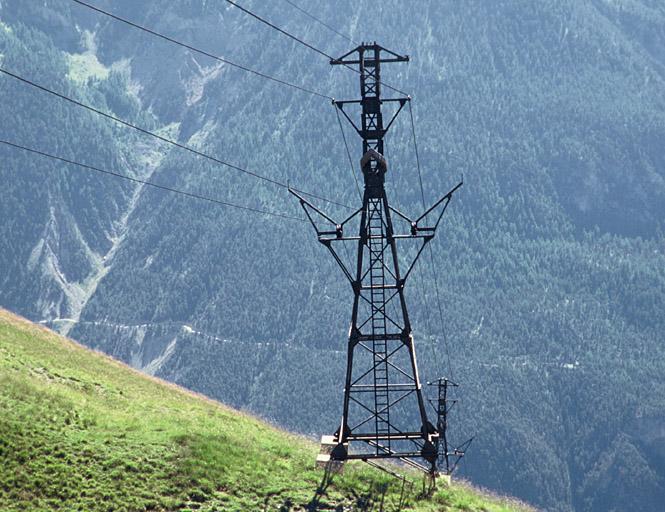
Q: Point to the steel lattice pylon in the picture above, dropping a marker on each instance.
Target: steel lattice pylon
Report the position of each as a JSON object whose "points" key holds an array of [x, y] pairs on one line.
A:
{"points": [[383, 412], [447, 460]]}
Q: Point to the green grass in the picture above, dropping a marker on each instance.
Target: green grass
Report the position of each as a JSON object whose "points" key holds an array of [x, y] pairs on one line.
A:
{"points": [[82, 432]]}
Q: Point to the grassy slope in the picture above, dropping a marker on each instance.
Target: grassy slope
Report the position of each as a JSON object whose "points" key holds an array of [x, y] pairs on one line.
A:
{"points": [[80, 431]]}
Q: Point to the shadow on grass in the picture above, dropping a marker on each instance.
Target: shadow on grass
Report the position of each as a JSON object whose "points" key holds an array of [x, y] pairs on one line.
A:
{"points": [[315, 503], [372, 500]]}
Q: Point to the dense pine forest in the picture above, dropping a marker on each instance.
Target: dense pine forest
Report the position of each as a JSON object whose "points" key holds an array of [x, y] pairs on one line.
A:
{"points": [[550, 260]]}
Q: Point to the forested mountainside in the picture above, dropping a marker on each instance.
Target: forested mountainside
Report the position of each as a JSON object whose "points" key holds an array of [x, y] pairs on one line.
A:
{"points": [[550, 260]]}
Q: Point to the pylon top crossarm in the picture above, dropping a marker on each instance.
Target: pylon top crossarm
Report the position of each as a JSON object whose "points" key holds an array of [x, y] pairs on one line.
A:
{"points": [[442, 380], [340, 105], [368, 57], [361, 49]]}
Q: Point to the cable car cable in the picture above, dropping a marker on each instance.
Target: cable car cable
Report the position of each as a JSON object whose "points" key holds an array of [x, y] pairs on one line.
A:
{"points": [[149, 183]]}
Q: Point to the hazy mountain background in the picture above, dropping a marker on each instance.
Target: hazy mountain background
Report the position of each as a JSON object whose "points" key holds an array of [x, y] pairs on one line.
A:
{"points": [[551, 259]]}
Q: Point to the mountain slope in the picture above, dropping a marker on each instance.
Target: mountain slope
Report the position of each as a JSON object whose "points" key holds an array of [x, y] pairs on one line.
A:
{"points": [[551, 259], [81, 431]]}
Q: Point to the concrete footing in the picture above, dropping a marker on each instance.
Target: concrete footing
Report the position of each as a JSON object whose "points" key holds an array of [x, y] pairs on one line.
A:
{"points": [[323, 460]]}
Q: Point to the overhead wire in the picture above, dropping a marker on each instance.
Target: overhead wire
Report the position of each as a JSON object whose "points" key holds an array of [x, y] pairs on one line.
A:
{"points": [[417, 275], [428, 326], [275, 27], [227, 61], [168, 141], [318, 20], [215, 159], [150, 183], [199, 51], [431, 251], [305, 43], [348, 153], [352, 169]]}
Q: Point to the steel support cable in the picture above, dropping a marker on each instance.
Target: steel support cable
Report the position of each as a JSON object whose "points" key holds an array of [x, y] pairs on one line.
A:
{"points": [[431, 251], [202, 52], [311, 16], [169, 141], [275, 27], [304, 43], [149, 183], [428, 326], [421, 275], [348, 153]]}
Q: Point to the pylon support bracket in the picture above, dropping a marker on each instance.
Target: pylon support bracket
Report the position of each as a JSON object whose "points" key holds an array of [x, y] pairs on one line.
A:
{"points": [[340, 105], [336, 234]]}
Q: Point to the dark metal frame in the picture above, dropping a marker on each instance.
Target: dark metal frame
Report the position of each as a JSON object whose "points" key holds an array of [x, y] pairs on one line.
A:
{"points": [[442, 406], [385, 373]]}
